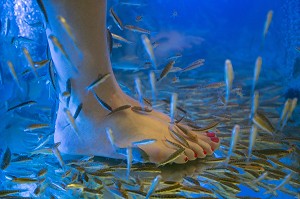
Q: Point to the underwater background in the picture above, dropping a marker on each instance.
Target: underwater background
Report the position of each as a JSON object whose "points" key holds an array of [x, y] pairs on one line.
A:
{"points": [[183, 31]]}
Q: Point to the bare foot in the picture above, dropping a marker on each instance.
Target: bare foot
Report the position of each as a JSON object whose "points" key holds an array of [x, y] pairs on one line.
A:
{"points": [[80, 58]]}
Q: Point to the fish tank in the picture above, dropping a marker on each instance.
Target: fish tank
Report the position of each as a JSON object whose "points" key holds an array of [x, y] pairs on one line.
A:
{"points": [[223, 76]]}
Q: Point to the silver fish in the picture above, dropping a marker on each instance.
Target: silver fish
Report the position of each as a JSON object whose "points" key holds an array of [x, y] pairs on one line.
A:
{"points": [[116, 19], [153, 186], [98, 81], [117, 37], [166, 69], [173, 107], [229, 76], [148, 47], [137, 29], [234, 138]]}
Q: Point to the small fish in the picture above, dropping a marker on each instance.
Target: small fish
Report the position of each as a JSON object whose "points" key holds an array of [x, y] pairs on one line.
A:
{"points": [[257, 69], [40, 64], [138, 87], [98, 81], [173, 106], [30, 61], [153, 85], [268, 22], [149, 49], [252, 139], [137, 29], [24, 104], [187, 132], [57, 154], [129, 159], [121, 108], [178, 137], [33, 127], [58, 45], [139, 109], [42, 172], [286, 179], [13, 73], [215, 85], [143, 142], [109, 39], [166, 70], [101, 102], [24, 180], [153, 186], [195, 64], [260, 178], [173, 156], [292, 108], [117, 37], [254, 106], [6, 159], [233, 142], [8, 192], [78, 110], [75, 186], [208, 127], [71, 121], [116, 19], [263, 122], [229, 76], [111, 137], [66, 26], [52, 75]]}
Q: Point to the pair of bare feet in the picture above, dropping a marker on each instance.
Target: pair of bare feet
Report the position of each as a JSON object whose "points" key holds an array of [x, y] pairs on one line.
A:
{"points": [[78, 62]]}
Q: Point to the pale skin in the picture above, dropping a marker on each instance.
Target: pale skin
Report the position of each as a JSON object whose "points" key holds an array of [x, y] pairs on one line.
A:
{"points": [[87, 20]]}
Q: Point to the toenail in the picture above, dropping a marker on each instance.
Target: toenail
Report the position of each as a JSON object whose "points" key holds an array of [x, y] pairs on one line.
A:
{"points": [[186, 159], [212, 148], [195, 154], [211, 134], [214, 139], [204, 152]]}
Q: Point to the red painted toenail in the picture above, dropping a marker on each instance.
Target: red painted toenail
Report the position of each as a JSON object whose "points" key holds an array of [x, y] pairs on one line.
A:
{"points": [[211, 134], [214, 139], [204, 152], [195, 154], [186, 159]]}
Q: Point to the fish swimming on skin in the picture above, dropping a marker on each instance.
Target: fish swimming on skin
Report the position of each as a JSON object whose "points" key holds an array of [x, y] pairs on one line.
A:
{"points": [[66, 26], [71, 121], [30, 61], [149, 49], [143, 142], [121, 108], [78, 110], [98, 81], [101, 102], [57, 154]]}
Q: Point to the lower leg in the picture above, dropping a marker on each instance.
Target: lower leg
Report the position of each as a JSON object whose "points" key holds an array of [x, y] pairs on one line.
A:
{"points": [[86, 135]]}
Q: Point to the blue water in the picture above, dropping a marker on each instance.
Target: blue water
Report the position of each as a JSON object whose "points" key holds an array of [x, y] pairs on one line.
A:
{"points": [[211, 30]]}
